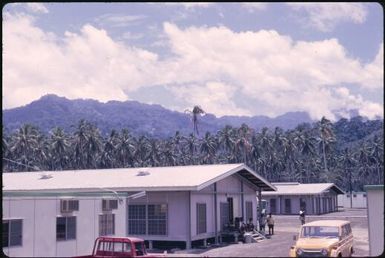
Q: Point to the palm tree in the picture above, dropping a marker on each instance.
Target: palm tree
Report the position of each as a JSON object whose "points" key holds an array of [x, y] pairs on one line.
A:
{"points": [[242, 145], [154, 157], [24, 145], [108, 155], [197, 110], [307, 150], [142, 148], [326, 137], [190, 147], [208, 148], [226, 139], [125, 149], [59, 147], [377, 158], [80, 139], [168, 156], [347, 160]]}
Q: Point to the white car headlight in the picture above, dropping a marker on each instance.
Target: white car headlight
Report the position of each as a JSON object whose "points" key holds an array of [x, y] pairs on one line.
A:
{"points": [[299, 251], [324, 252]]}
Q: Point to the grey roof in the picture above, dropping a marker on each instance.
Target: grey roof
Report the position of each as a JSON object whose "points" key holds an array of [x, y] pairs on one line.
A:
{"points": [[130, 179], [295, 188]]}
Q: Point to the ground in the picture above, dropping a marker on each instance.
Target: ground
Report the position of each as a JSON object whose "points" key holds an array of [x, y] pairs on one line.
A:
{"points": [[279, 244]]}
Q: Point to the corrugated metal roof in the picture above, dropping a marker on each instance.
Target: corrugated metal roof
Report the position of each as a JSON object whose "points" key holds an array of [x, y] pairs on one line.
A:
{"points": [[295, 188], [130, 179]]}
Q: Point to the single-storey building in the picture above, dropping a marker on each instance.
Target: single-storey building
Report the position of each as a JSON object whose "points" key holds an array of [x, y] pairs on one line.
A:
{"points": [[290, 197], [375, 213], [61, 213], [355, 200]]}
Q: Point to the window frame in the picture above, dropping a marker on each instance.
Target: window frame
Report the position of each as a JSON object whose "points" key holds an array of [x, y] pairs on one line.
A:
{"points": [[152, 223], [249, 211], [105, 229], [158, 221], [10, 234], [69, 205], [201, 218], [67, 226], [109, 204]]}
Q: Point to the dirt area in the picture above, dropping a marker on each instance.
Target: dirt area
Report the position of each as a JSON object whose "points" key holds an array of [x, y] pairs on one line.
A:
{"points": [[279, 244]]}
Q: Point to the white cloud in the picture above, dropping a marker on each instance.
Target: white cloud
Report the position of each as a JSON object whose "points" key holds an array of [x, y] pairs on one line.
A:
{"points": [[88, 64], [188, 5], [210, 66], [251, 7], [216, 97], [117, 20], [325, 16], [37, 7]]}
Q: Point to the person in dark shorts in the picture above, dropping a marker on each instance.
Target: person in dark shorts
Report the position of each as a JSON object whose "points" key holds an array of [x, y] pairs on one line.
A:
{"points": [[270, 224]]}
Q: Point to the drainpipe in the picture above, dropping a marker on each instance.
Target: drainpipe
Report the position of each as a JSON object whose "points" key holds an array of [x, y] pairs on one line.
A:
{"points": [[215, 214], [242, 204], [188, 243], [259, 203]]}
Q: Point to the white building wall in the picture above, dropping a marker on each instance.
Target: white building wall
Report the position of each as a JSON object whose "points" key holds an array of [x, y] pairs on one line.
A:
{"points": [[226, 188], [376, 220], [39, 226], [45, 214], [21, 209], [359, 200]]}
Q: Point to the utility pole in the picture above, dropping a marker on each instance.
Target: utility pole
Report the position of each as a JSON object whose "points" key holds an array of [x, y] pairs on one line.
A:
{"points": [[350, 187]]}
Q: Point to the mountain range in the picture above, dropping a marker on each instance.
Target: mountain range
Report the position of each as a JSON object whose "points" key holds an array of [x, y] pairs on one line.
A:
{"points": [[140, 119]]}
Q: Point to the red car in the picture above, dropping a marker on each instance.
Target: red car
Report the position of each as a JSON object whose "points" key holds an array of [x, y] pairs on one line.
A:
{"points": [[120, 247]]}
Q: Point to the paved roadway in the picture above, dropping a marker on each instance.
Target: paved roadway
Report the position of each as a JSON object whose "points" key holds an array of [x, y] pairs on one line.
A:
{"points": [[279, 244]]}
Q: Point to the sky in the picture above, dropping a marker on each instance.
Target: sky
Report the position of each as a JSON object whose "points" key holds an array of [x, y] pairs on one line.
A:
{"points": [[241, 59]]}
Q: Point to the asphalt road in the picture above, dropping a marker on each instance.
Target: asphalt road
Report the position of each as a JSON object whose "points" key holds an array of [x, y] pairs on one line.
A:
{"points": [[279, 244]]}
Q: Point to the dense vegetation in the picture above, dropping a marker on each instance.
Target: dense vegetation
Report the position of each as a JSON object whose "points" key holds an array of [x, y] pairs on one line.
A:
{"points": [[153, 121], [318, 152]]}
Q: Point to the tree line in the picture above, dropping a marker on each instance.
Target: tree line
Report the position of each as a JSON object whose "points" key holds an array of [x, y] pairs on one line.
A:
{"points": [[310, 153]]}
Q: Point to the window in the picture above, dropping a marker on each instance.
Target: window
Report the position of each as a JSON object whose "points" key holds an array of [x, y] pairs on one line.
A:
{"points": [[273, 205], [224, 215], [137, 219], [108, 205], [148, 219], [106, 224], [302, 203], [249, 211], [364, 195], [287, 206], [354, 195], [12, 232], [69, 205], [157, 219], [201, 218], [66, 228]]}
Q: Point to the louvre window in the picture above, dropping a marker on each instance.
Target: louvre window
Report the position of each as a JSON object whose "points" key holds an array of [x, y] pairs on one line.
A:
{"points": [[201, 218], [108, 205], [12, 232], [66, 228], [106, 224], [249, 211], [69, 205]]}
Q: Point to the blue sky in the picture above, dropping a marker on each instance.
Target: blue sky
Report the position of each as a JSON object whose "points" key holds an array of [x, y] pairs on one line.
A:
{"points": [[229, 58]]}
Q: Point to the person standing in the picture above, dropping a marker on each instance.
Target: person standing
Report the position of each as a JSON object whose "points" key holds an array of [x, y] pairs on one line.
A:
{"points": [[302, 216], [270, 224]]}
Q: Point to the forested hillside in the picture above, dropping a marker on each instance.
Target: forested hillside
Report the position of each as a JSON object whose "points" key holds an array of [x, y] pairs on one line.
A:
{"points": [[140, 119], [311, 152]]}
